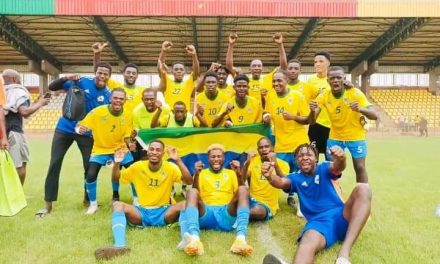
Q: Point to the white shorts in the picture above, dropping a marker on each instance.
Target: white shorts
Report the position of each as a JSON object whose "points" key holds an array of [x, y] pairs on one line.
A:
{"points": [[18, 148]]}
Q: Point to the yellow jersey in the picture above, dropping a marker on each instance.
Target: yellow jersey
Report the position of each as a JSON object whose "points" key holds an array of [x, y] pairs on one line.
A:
{"points": [[305, 89], [211, 107], [153, 187], [108, 130], [229, 90], [320, 85], [260, 189], [289, 134], [133, 93], [179, 91], [217, 188], [251, 113], [170, 121], [142, 118], [346, 124], [256, 85]]}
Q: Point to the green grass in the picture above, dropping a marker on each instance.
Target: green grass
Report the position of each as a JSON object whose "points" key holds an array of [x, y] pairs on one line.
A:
{"points": [[403, 174]]}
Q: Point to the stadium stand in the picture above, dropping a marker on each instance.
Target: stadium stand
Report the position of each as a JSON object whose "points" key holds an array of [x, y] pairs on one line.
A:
{"points": [[409, 103], [47, 117]]}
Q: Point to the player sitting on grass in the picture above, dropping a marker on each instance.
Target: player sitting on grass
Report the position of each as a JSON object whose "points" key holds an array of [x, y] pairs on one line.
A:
{"points": [[218, 200], [328, 218], [264, 197], [153, 180]]}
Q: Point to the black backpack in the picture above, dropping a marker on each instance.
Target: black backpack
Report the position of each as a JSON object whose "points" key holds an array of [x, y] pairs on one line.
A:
{"points": [[74, 106]]}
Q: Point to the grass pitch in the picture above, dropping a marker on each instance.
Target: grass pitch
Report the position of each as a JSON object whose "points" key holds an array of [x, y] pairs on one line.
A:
{"points": [[403, 174]]}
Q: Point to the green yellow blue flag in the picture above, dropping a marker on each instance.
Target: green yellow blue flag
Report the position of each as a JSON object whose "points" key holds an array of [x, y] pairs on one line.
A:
{"points": [[192, 143]]}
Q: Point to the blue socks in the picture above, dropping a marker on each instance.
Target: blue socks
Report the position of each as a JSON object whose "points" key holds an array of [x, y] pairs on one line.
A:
{"points": [[119, 222], [183, 223], [91, 190], [115, 186], [242, 220], [192, 221]]}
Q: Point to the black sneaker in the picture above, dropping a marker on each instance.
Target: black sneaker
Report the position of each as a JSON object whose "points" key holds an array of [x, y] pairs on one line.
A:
{"points": [[291, 202], [110, 252], [115, 197], [271, 259]]}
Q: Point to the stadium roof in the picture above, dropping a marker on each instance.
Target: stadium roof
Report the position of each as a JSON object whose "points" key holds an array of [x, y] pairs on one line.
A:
{"points": [[61, 32]]}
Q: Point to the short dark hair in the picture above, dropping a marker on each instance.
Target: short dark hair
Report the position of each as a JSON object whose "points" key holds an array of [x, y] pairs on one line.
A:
{"points": [[118, 89], [177, 62], [146, 90], [336, 68], [324, 53], [264, 138], [179, 103], [308, 146], [211, 74], [241, 77], [294, 61], [103, 65], [132, 65], [158, 141], [223, 67], [283, 72]]}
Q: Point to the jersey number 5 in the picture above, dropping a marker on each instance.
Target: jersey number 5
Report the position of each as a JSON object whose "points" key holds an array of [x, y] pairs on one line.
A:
{"points": [[338, 109]]}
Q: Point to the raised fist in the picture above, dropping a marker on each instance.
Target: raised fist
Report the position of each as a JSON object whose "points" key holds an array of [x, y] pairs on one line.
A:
{"points": [[190, 49], [278, 38], [166, 45], [232, 38]]}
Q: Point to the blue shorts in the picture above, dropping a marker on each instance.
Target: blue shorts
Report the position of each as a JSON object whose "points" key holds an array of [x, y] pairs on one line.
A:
{"points": [[104, 159], [153, 216], [357, 148], [289, 157], [217, 217], [253, 203], [331, 224]]}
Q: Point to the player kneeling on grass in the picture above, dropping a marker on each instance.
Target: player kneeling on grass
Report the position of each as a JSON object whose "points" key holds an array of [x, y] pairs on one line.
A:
{"points": [[328, 218], [153, 180], [264, 197], [218, 200]]}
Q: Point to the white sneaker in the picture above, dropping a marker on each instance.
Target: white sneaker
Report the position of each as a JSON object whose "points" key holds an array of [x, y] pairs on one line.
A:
{"points": [[185, 241], [135, 201], [437, 211], [92, 209], [342, 260], [298, 212]]}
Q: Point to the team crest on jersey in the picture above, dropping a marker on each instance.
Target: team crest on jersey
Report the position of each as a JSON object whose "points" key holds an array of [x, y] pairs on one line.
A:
{"points": [[225, 176], [290, 101], [163, 175], [130, 97], [345, 99], [317, 179], [249, 110], [104, 119], [100, 98]]}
